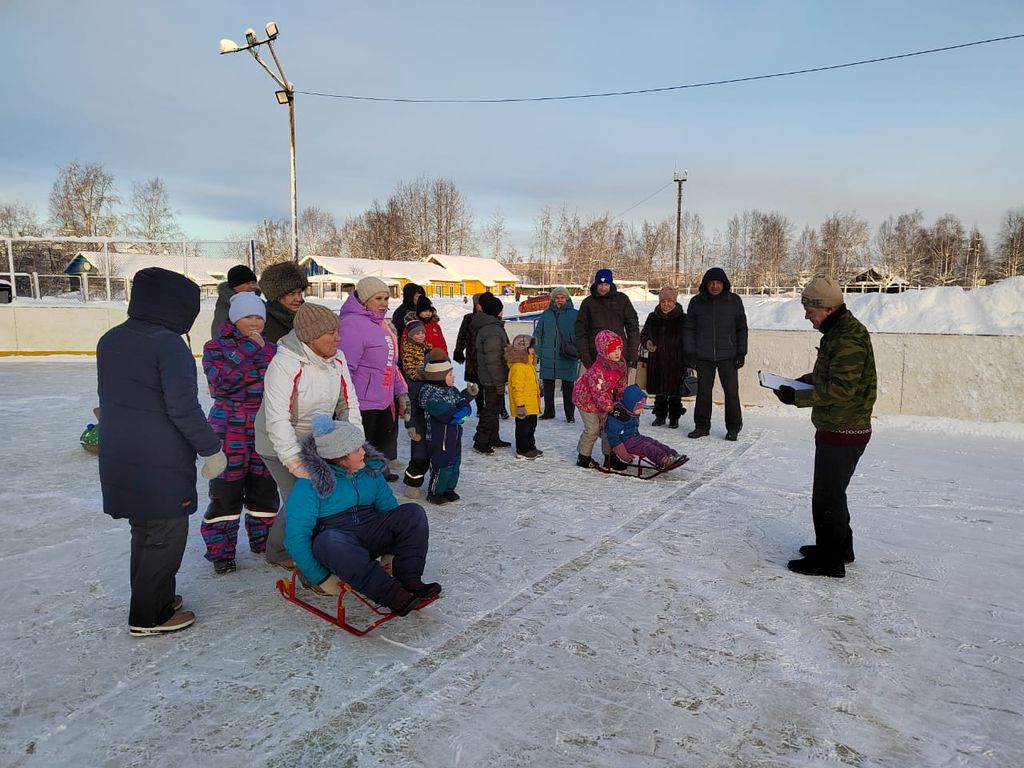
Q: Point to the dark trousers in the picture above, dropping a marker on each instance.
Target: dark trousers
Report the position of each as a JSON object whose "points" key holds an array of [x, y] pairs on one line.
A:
{"points": [[258, 493], [549, 398], [730, 381], [526, 428], [381, 430], [419, 458], [350, 551], [490, 415], [156, 551], [834, 465], [668, 406]]}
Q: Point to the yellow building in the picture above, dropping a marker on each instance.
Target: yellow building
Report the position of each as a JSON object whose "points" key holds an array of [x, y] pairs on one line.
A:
{"points": [[477, 275]]}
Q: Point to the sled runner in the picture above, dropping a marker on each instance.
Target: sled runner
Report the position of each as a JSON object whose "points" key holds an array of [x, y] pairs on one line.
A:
{"points": [[643, 469], [287, 588]]}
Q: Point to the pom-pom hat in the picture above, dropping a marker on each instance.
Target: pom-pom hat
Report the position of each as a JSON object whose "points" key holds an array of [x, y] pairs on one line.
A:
{"points": [[335, 439]]}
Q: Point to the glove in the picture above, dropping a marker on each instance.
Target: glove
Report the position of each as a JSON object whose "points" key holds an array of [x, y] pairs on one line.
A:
{"points": [[739, 361], [651, 346], [786, 394], [329, 586], [404, 404], [213, 465], [472, 389], [520, 411], [459, 357], [294, 465], [413, 434]]}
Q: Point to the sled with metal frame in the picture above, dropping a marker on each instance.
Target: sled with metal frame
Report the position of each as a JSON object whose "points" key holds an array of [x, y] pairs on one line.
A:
{"points": [[643, 469]]}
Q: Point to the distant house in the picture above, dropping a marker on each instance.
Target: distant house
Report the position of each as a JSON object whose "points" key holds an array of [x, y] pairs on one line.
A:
{"points": [[874, 280], [477, 275]]}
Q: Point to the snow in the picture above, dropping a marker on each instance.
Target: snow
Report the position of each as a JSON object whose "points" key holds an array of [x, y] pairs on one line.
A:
{"points": [[588, 620], [487, 271]]}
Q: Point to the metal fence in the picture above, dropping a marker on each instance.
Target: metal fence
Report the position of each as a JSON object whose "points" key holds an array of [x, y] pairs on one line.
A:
{"points": [[102, 268]]}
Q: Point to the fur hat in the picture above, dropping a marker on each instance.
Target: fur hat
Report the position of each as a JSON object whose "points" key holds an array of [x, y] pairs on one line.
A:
{"points": [[335, 439], [523, 342], [559, 291], [668, 293], [369, 287], [244, 304], [437, 366], [312, 321], [282, 278], [604, 276], [823, 293], [414, 326], [491, 304], [240, 274]]}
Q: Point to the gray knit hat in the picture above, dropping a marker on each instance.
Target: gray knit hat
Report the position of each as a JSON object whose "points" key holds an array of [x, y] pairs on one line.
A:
{"points": [[312, 321], [369, 286], [335, 439], [282, 278], [822, 293], [559, 291]]}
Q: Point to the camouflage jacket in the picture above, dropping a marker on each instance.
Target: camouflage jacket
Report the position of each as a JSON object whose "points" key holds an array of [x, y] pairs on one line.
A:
{"points": [[844, 377]]}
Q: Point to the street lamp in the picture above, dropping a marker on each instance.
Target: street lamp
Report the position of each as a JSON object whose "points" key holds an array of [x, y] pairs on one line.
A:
{"points": [[284, 96], [679, 177]]}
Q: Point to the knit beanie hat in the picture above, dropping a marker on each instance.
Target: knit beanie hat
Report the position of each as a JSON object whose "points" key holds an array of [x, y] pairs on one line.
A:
{"points": [[437, 366], [822, 292], [632, 395], [413, 327], [603, 276], [423, 304], [335, 439], [559, 291], [240, 274], [491, 304], [368, 287], [245, 304], [667, 293], [282, 278], [312, 321], [522, 342]]}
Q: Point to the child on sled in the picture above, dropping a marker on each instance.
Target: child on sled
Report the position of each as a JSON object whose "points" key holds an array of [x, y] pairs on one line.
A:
{"points": [[623, 431], [344, 517]]}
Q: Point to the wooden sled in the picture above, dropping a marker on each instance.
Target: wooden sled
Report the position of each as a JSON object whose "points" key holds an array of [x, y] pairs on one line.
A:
{"points": [[643, 469], [287, 588]]}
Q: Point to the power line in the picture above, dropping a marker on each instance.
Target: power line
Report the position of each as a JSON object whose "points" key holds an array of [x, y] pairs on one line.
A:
{"points": [[661, 189], [638, 91]]}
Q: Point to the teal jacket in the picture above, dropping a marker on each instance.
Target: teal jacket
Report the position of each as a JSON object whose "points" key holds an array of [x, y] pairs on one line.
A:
{"points": [[306, 505]]}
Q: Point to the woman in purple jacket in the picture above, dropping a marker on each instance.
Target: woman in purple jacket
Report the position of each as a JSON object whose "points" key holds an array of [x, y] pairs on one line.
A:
{"points": [[371, 350]]}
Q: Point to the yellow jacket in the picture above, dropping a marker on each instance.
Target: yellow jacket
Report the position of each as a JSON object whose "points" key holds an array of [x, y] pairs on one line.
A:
{"points": [[523, 384]]}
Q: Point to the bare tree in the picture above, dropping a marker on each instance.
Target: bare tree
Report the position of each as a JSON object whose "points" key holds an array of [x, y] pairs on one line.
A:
{"points": [[976, 260], [900, 245], [19, 220], [150, 216], [318, 233], [273, 243], [944, 243], [494, 235], [82, 201], [1010, 251], [843, 245]]}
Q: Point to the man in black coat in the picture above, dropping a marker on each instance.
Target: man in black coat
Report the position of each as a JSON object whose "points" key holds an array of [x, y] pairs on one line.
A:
{"points": [[607, 309], [153, 427], [410, 293], [715, 340]]}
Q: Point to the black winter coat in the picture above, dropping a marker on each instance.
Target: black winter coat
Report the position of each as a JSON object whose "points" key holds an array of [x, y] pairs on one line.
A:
{"points": [[716, 326], [153, 426], [280, 321], [491, 340], [465, 346], [408, 305], [613, 312], [221, 309], [665, 363]]}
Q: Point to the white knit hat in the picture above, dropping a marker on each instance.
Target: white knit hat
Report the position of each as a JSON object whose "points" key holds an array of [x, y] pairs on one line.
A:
{"points": [[822, 293], [244, 304], [368, 287]]}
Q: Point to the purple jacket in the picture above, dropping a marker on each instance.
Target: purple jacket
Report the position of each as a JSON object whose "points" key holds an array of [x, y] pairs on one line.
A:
{"points": [[371, 351]]}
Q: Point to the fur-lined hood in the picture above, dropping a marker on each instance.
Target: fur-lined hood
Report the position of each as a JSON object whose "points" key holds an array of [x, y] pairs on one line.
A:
{"points": [[324, 476]]}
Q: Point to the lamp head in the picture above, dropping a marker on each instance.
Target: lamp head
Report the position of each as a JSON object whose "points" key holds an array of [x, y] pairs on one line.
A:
{"points": [[250, 36], [228, 46], [271, 28]]}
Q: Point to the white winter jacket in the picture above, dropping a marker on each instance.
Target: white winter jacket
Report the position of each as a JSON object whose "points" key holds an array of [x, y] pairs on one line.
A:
{"points": [[299, 384]]}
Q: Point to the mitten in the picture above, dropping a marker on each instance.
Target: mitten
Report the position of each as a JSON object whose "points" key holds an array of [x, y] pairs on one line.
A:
{"points": [[472, 389], [520, 411], [214, 464], [329, 586], [404, 404], [739, 361], [651, 346], [786, 394], [414, 435], [459, 357]]}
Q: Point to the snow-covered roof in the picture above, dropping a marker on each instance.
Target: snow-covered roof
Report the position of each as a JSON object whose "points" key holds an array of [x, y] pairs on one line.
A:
{"points": [[487, 271], [415, 271]]}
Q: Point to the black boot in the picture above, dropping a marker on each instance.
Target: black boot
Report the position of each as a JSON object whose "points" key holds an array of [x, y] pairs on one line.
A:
{"points": [[673, 423], [811, 566], [658, 422], [584, 461], [811, 550], [613, 461], [699, 432]]}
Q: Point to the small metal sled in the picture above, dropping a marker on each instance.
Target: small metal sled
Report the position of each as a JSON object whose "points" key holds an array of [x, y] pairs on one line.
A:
{"points": [[287, 588], [643, 469]]}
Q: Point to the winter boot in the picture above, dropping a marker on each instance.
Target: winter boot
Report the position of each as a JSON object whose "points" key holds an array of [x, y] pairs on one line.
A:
{"points": [[699, 432], [484, 449], [451, 495], [810, 566], [179, 620], [402, 601], [439, 500], [584, 461], [811, 550], [499, 443], [732, 435], [659, 421], [220, 567], [673, 423], [614, 462], [420, 590]]}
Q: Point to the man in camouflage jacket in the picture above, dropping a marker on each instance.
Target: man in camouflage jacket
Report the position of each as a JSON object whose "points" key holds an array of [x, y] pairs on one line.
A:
{"points": [[844, 382]]}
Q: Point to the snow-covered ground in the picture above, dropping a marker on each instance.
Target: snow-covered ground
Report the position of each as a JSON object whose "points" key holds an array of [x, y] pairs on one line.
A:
{"points": [[588, 620]]}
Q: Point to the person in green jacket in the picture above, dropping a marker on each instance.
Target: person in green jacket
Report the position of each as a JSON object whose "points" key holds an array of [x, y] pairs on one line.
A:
{"points": [[843, 394]]}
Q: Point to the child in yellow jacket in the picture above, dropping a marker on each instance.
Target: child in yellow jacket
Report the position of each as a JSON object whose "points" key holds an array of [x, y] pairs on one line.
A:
{"points": [[523, 394]]}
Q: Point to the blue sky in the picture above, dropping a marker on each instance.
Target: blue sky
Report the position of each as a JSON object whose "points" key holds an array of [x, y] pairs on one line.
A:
{"points": [[139, 87]]}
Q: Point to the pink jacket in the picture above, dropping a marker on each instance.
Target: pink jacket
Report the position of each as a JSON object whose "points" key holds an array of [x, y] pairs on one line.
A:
{"points": [[601, 385]]}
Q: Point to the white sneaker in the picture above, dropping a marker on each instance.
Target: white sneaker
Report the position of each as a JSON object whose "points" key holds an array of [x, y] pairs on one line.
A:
{"points": [[180, 620]]}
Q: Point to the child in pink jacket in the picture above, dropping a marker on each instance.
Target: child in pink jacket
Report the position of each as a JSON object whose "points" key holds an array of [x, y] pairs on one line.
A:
{"points": [[596, 393]]}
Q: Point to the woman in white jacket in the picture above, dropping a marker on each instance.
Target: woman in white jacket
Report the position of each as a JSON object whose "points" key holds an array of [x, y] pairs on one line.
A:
{"points": [[307, 376]]}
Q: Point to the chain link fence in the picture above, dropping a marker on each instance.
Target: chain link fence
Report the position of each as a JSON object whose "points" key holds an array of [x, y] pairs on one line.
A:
{"points": [[85, 269]]}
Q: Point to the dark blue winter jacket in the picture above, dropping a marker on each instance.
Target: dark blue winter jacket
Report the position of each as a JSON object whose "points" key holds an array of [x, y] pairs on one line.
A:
{"points": [[153, 426], [447, 409], [716, 326], [554, 326], [622, 424]]}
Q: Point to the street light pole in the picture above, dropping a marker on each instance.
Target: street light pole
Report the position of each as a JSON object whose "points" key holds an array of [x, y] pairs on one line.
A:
{"points": [[679, 177], [284, 96]]}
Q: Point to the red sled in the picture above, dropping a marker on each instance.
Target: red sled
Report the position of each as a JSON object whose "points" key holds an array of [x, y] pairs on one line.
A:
{"points": [[643, 469], [287, 588]]}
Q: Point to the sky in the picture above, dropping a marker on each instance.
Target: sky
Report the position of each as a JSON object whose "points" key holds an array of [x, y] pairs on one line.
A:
{"points": [[140, 88]]}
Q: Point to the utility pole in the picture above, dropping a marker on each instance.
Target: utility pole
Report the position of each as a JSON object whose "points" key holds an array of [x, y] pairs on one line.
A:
{"points": [[679, 177]]}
